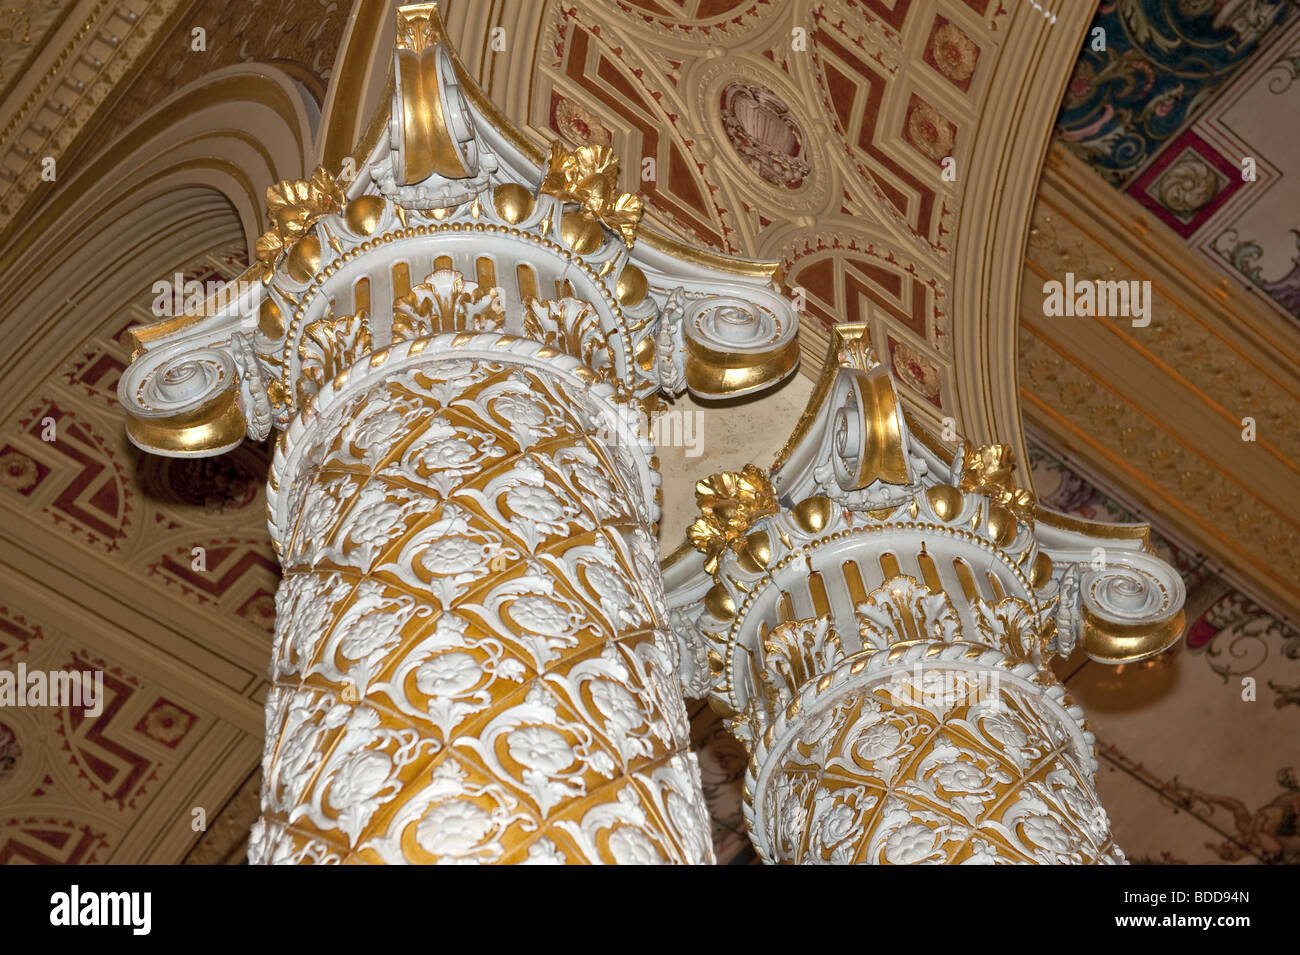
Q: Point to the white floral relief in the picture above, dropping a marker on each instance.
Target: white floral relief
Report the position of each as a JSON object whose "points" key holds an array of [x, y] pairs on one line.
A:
{"points": [[550, 755], [442, 455], [452, 819], [304, 603], [367, 630], [432, 603], [449, 555], [321, 504], [619, 604], [447, 677], [1008, 807], [516, 405], [378, 428], [536, 617], [377, 519], [589, 480]]}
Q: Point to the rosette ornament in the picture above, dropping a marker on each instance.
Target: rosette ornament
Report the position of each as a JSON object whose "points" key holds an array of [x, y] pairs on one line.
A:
{"points": [[293, 206], [730, 503], [588, 176]]}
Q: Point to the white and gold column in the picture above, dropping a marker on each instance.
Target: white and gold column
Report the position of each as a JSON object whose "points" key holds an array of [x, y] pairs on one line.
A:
{"points": [[877, 620], [472, 659]]}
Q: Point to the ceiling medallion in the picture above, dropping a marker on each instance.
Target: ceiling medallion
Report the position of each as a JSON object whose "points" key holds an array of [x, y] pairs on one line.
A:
{"points": [[761, 128]]}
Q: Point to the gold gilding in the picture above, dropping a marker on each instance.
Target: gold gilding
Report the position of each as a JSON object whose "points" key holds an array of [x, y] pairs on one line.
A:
{"points": [[813, 513], [946, 500], [882, 455], [513, 202], [645, 353], [581, 234], [293, 206], [632, 285], [990, 470], [1041, 572], [756, 552], [1112, 643], [428, 145], [729, 502], [719, 603], [215, 426], [304, 258], [363, 214], [588, 176], [711, 373], [270, 320], [1002, 525]]}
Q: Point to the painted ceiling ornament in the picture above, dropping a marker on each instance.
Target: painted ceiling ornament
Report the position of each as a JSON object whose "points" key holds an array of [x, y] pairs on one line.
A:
{"points": [[917, 371], [729, 503], [953, 52], [588, 176], [929, 131], [1188, 185], [10, 752], [579, 124], [761, 128]]}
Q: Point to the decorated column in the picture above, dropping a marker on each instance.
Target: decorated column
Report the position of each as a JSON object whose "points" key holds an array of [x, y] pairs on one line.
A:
{"points": [[472, 658], [877, 622]]}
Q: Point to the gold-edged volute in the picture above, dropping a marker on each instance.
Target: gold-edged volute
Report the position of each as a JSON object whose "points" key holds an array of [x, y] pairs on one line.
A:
{"points": [[869, 434], [430, 134]]}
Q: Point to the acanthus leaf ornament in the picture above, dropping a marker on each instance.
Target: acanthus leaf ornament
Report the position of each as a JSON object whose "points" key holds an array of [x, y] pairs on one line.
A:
{"points": [[253, 388], [328, 346], [904, 611], [445, 302]]}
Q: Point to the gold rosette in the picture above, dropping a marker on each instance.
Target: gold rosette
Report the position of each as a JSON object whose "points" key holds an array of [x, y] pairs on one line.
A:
{"points": [[588, 176]]}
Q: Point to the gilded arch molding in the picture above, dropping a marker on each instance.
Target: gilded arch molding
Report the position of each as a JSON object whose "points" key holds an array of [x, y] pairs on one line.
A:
{"points": [[232, 134]]}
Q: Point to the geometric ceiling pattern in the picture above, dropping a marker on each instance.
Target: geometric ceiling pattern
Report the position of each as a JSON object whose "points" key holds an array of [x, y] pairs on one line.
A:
{"points": [[90, 523], [855, 142]]}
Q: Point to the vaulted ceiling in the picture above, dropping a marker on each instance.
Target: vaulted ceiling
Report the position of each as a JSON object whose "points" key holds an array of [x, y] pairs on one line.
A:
{"points": [[817, 134]]}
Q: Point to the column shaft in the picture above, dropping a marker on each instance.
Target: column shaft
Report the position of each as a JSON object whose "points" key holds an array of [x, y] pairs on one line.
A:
{"points": [[471, 661]]}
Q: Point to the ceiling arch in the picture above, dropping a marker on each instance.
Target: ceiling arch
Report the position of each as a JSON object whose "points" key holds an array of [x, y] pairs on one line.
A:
{"points": [[872, 98]]}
